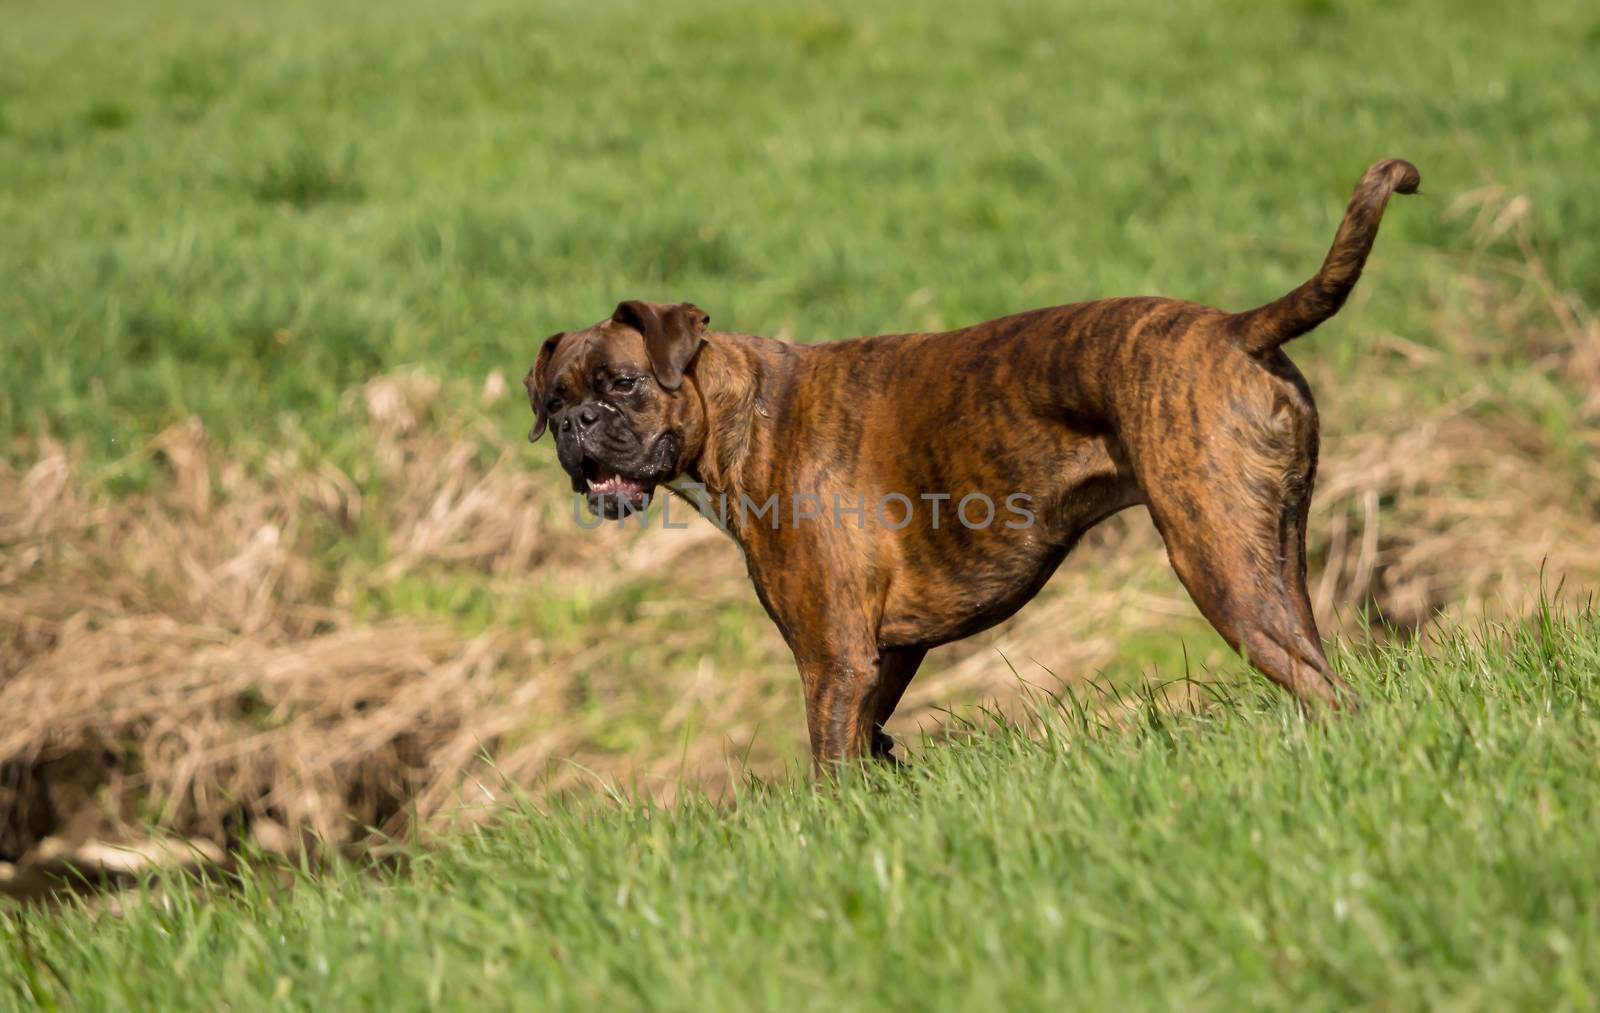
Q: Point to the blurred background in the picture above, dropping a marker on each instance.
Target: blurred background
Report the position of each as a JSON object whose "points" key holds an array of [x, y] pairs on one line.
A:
{"points": [[277, 561]]}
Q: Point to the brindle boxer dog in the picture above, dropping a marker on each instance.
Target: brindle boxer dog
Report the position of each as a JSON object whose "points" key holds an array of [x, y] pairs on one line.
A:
{"points": [[1084, 409]]}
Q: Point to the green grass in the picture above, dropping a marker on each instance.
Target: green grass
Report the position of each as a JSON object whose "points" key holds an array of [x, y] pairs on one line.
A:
{"points": [[1434, 850], [241, 212], [244, 212]]}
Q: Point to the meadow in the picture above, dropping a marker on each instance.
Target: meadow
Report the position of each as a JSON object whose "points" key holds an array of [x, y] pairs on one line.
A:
{"points": [[280, 574], [1435, 852]]}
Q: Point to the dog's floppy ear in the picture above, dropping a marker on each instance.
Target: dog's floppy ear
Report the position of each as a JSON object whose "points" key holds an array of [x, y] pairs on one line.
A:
{"points": [[673, 335], [536, 382]]}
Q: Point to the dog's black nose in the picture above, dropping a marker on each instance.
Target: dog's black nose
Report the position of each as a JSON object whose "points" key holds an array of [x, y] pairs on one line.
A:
{"points": [[587, 417]]}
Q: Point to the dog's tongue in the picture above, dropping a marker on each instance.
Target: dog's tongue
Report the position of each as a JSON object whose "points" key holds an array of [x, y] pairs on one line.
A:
{"points": [[609, 483]]}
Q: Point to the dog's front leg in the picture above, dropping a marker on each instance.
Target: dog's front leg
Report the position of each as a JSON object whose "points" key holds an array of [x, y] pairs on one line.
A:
{"points": [[841, 689], [896, 667]]}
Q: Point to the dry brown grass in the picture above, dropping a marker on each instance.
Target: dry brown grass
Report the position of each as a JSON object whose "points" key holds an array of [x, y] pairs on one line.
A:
{"points": [[189, 657], [182, 658]]}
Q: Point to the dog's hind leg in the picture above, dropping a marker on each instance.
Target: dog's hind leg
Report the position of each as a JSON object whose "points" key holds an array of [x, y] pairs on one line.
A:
{"points": [[1233, 516], [1254, 593]]}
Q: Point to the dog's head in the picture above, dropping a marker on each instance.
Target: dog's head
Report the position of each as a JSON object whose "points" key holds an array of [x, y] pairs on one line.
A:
{"points": [[615, 397]]}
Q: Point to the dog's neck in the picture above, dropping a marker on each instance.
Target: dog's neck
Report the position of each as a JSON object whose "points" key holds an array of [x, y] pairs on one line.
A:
{"points": [[745, 384]]}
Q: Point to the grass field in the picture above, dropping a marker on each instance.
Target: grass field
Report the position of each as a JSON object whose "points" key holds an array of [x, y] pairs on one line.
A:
{"points": [[1436, 851], [277, 568], [239, 215]]}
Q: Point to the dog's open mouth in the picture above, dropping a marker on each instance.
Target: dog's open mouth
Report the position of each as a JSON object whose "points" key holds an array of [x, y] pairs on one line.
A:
{"points": [[612, 494]]}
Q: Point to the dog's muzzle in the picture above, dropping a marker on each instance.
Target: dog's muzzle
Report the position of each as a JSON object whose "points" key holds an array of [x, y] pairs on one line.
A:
{"points": [[611, 466]]}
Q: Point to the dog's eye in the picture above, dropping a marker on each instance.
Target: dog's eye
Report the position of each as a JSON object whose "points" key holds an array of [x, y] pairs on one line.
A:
{"points": [[552, 406], [622, 384]]}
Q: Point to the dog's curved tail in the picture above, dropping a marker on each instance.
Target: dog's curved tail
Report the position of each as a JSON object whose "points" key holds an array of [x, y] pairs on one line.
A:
{"points": [[1266, 327]]}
